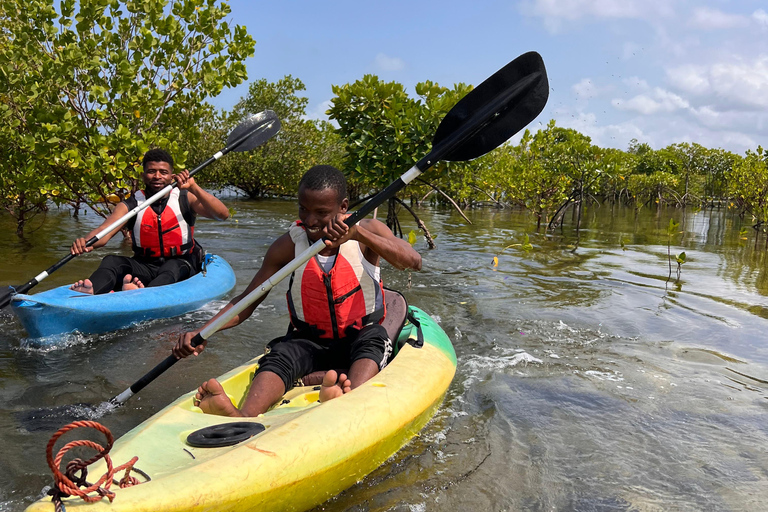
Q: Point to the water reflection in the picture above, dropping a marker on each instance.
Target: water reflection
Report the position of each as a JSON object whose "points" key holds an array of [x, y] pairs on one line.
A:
{"points": [[585, 380]]}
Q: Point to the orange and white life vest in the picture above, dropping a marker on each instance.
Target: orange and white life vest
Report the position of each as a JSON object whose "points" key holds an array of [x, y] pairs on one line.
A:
{"points": [[328, 303], [167, 234]]}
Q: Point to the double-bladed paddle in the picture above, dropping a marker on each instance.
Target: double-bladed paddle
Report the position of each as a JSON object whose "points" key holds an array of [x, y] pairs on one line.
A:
{"points": [[486, 117], [248, 135]]}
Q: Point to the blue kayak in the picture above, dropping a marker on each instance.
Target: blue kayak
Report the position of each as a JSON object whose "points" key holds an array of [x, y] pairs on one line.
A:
{"points": [[62, 310]]}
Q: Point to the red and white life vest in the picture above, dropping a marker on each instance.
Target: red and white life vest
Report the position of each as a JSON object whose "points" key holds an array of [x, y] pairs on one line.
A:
{"points": [[165, 235], [327, 303]]}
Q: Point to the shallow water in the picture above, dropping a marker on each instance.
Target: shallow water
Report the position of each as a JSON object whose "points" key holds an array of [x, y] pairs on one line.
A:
{"points": [[585, 380]]}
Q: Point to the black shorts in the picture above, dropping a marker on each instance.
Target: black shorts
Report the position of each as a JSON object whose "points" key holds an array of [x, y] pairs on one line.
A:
{"points": [[293, 358], [151, 272]]}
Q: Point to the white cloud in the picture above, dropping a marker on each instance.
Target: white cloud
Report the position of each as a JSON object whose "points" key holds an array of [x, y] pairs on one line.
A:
{"points": [[318, 111], [708, 116], [674, 42], [586, 89], [555, 12], [664, 129], [714, 19], [714, 92], [614, 135], [735, 83], [761, 17], [386, 63], [755, 123], [636, 83], [735, 139], [691, 79], [658, 101], [577, 9]]}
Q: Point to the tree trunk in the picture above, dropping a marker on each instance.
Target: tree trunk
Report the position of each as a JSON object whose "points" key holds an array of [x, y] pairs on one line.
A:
{"points": [[21, 217], [422, 226], [391, 215]]}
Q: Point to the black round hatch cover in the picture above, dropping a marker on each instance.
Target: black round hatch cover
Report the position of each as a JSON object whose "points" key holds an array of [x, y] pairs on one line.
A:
{"points": [[224, 434]]}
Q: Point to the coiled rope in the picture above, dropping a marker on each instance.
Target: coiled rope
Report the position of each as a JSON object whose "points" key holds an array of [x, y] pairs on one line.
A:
{"points": [[73, 482]]}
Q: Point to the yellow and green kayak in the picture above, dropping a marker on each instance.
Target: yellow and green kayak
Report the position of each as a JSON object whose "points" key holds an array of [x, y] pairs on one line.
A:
{"points": [[306, 453]]}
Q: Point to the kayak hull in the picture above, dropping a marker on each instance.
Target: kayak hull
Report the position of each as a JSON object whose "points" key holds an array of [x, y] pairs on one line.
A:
{"points": [[308, 453], [61, 310]]}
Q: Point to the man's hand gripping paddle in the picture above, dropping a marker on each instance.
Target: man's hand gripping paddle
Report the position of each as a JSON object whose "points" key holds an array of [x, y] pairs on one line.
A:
{"points": [[251, 133]]}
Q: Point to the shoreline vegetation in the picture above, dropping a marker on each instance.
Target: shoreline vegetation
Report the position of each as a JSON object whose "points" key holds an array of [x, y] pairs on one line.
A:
{"points": [[83, 101]]}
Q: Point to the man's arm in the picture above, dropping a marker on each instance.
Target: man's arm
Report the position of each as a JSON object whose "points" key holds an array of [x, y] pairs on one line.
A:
{"points": [[377, 240], [203, 203], [279, 254], [78, 246]]}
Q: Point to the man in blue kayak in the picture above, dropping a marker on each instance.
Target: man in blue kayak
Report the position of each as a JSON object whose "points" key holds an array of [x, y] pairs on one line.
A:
{"points": [[336, 301], [162, 235]]}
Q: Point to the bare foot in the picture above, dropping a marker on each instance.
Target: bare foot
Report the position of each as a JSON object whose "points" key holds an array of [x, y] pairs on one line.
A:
{"points": [[131, 283], [212, 399], [334, 386], [83, 286]]}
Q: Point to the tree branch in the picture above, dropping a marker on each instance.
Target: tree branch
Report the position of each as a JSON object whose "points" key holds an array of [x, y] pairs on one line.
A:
{"points": [[489, 195], [447, 197], [422, 226]]}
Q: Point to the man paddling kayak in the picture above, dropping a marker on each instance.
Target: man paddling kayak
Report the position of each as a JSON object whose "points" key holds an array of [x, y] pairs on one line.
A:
{"points": [[336, 301], [164, 247]]}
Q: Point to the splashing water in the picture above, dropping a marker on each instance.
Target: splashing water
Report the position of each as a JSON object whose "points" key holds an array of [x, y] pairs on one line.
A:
{"points": [[54, 418]]}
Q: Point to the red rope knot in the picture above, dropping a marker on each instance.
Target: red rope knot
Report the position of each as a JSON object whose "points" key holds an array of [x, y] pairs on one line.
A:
{"points": [[74, 481]]}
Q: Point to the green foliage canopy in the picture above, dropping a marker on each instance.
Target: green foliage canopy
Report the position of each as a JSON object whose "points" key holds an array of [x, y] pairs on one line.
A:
{"points": [[87, 87], [384, 129], [748, 184], [274, 168]]}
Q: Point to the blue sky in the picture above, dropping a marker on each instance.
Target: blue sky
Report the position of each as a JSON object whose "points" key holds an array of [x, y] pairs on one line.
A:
{"points": [[660, 71]]}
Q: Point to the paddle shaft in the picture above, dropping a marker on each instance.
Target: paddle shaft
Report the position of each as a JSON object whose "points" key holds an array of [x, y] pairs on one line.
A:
{"points": [[476, 123], [104, 232]]}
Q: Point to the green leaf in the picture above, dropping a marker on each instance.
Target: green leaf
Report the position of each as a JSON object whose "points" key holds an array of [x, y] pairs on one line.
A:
{"points": [[526, 246]]}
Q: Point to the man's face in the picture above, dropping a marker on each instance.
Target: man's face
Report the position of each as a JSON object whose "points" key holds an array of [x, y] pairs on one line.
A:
{"points": [[317, 208], [157, 176]]}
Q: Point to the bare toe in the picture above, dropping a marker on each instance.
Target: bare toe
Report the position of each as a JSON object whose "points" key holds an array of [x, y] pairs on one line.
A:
{"points": [[83, 286], [345, 384], [129, 283], [330, 378], [214, 400], [331, 388]]}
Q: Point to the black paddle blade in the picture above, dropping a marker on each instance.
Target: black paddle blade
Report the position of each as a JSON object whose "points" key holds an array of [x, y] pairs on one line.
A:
{"points": [[5, 296], [258, 127], [500, 107]]}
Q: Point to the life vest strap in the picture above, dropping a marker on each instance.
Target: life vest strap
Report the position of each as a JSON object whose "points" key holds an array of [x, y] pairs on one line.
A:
{"points": [[374, 318], [147, 252], [312, 331]]}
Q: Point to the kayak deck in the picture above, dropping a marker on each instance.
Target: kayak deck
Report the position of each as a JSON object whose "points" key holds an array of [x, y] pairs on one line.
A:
{"points": [[61, 310], [308, 452]]}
